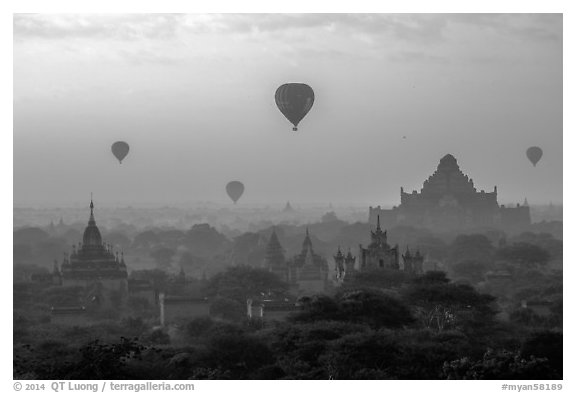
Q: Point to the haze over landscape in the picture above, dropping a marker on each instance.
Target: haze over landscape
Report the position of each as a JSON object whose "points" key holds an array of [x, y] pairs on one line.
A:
{"points": [[287, 197], [193, 95]]}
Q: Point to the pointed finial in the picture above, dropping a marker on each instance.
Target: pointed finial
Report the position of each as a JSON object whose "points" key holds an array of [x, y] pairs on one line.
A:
{"points": [[91, 220]]}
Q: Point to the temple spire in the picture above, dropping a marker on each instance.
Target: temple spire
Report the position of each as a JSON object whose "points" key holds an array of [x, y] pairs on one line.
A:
{"points": [[91, 220]]}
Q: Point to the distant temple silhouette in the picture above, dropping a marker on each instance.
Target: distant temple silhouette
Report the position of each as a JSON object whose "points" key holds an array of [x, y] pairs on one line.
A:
{"points": [[93, 265], [306, 272], [378, 255], [448, 200]]}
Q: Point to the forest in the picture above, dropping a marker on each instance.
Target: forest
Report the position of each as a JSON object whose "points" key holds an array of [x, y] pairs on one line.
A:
{"points": [[457, 321]]}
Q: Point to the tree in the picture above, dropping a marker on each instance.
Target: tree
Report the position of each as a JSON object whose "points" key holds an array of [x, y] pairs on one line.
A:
{"points": [[243, 282], [374, 308], [431, 277], [546, 241], [29, 235], [163, 256], [229, 309], [159, 278], [118, 239], [500, 364], [239, 354], [471, 270], [191, 261], [548, 345], [21, 253], [523, 254], [370, 355], [105, 361], [146, 239], [376, 278], [442, 305], [432, 246], [248, 249], [470, 247], [205, 241], [370, 307]]}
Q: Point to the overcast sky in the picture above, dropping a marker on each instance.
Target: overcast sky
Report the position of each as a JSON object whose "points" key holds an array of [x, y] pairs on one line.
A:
{"points": [[193, 95]]}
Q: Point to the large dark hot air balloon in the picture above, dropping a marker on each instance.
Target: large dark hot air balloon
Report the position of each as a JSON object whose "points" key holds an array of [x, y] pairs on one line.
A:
{"points": [[534, 154], [294, 101], [120, 150], [235, 189]]}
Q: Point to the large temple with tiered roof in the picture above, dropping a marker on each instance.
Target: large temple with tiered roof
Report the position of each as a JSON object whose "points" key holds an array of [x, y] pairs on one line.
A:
{"points": [[448, 200], [93, 263]]}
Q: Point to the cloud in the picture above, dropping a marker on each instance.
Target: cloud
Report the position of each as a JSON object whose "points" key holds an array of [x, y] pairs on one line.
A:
{"points": [[116, 26], [418, 57], [525, 26], [149, 56], [159, 26], [405, 27]]}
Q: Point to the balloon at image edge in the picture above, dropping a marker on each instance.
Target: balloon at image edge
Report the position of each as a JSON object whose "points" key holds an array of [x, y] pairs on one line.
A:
{"points": [[120, 150], [534, 154], [294, 101], [235, 189]]}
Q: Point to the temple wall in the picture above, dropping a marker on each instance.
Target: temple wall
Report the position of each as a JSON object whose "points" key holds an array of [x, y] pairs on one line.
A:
{"points": [[370, 259], [148, 294], [388, 217], [73, 319], [171, 312], [310, 287], [515, 217]]}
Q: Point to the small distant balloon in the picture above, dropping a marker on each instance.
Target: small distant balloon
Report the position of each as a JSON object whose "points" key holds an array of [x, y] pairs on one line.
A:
{"points": [[534, 154], [120, 150], [294, 101], [235, 189]]}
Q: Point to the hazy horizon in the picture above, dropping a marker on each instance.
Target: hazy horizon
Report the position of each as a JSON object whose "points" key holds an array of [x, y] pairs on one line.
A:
{"points": [[193, 95]]}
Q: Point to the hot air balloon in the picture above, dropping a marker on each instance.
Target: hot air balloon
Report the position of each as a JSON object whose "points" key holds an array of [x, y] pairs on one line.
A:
{"points": [[294, 101], [120, 150], [235, 189], [534, 154]]}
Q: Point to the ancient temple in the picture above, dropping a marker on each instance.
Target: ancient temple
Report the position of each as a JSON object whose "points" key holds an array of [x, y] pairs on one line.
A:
{"points": [[345, 265], [379, 253], [288, 208], [413, 262], [274, 259], [93, 263], [448, 200], [308, 270]]}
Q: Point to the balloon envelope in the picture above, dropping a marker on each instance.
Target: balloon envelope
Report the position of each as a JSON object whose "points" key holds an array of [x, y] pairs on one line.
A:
{"points": [[294, 101], [120, 150], [534, 154], [235, 189]]}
